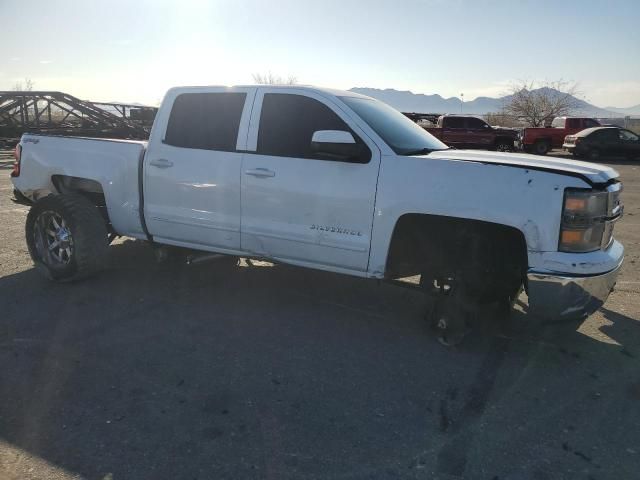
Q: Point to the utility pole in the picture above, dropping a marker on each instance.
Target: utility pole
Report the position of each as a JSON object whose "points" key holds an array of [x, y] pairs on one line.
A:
{"points": [[461, 101]]}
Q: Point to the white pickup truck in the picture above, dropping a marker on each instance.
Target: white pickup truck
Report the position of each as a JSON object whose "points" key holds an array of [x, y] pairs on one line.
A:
{"points": [[330, 180]]}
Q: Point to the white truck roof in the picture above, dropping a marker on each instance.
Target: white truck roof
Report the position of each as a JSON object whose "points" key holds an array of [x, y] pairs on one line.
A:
{"points": [[331, 91]]}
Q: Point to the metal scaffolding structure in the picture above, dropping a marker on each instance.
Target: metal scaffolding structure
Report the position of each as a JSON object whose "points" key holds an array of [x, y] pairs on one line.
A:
{"points": [[417, 117], [58, 113]]}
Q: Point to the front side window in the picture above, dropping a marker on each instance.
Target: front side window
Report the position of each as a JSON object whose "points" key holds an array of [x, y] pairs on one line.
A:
{"points": [[287, 124], [628, 136], [205, 121], [476, 123], [402, 135]]}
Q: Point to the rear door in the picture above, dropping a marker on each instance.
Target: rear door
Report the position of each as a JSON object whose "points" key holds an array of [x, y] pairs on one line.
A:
{"points": [[454, 131], [192, 168], [299, 206]]}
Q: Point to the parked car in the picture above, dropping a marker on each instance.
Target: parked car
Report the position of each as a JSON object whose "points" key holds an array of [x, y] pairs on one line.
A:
{"points": [[335, 181], [593, 143], [540, 140], [463, 131]]}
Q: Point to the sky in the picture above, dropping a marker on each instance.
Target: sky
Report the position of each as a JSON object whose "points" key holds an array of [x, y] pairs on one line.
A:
{"points": [[134, 50]]}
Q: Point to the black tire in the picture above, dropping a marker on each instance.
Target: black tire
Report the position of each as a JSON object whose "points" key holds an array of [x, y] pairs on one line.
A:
{"points": [[504, 146], [541, 147], [80, 237]]}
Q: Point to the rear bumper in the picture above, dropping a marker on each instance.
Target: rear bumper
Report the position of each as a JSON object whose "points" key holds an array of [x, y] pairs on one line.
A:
{"points": [[566, 296]]}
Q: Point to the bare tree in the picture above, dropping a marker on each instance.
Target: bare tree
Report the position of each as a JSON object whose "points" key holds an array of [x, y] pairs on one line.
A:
{"points": [[502, 119], [537, 103], [271, 79], [27, 86]]}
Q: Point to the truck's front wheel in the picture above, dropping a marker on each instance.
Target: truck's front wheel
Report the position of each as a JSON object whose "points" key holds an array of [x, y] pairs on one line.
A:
{"points": [[66, 237], [503, 145]]}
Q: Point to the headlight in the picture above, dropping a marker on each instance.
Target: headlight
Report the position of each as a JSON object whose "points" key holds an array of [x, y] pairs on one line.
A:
{"points": [[587, 219]]}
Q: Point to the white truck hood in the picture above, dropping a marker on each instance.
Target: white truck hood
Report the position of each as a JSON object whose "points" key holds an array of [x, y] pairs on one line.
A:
{"points": [[592, 172]]}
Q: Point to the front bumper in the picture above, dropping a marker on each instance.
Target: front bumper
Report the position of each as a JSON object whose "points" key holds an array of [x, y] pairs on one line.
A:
{"points": [[564, 296]]}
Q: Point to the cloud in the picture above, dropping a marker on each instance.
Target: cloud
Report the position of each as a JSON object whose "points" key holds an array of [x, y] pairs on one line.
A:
{"points": [[46, 62]]}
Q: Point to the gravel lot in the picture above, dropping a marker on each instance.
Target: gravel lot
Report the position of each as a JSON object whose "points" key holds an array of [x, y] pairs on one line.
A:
{"points": [[233, 371]]}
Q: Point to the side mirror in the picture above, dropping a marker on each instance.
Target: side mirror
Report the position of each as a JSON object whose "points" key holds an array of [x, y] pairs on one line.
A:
{"points": [[335, 144]]}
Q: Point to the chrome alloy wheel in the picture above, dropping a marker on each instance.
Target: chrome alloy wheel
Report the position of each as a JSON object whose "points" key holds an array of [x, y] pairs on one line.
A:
{"points": [[53, 240]]}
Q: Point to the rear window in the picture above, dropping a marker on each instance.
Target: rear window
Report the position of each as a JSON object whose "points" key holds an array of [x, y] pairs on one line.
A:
{"points": [[205, 121]]}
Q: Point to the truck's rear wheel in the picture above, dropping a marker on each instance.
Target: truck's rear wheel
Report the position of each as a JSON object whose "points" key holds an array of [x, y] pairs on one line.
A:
{"points": [[541, 147], [67, 237]]}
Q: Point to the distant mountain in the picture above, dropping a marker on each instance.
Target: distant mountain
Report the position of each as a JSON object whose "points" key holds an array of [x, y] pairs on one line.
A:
{"points": [[407, 101], [635, 110]]}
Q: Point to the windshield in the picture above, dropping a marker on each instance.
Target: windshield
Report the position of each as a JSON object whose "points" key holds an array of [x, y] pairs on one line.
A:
{"points": [[401, 134]]}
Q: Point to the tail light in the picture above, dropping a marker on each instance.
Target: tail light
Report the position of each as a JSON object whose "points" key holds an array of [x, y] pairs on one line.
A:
{"points": [[577, 140], [17, 153]]}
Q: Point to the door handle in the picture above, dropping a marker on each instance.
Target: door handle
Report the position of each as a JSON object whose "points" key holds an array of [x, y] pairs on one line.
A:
{"points": [[161, 163], [260, 172]]}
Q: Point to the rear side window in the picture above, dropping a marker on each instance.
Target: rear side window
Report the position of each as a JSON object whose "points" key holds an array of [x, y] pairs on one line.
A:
{"points": [[205, 121], [287, 123], [628, 136], [607, 135], [589, 123], [454, 122], [573, 123]]}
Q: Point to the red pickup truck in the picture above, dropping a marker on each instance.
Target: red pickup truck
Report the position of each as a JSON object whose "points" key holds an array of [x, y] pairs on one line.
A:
{"points": [[540, 140], [463, 131]]}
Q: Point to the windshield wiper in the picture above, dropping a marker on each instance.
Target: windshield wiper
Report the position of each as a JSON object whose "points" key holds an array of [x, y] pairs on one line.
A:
{"points": [[424, 151]]}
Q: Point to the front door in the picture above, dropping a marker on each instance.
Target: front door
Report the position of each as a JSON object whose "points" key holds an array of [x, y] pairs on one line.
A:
{"points": [[630, 144], [299, 206], [192, 169], [479, 133]]}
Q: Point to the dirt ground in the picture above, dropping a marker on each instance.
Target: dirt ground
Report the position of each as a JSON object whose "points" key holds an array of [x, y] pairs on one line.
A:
{"points": [[231, 371]]}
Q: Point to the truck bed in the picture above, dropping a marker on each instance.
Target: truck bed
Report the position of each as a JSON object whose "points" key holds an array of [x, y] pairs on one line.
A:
{"points": [[112, 163]]}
